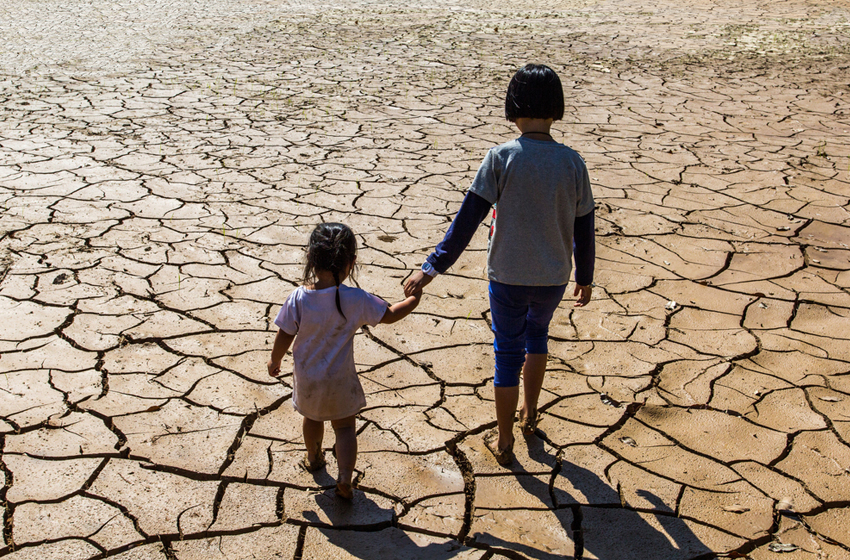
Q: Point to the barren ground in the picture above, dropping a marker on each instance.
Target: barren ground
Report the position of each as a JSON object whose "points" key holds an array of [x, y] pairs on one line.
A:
{"points": [[161, 164]]}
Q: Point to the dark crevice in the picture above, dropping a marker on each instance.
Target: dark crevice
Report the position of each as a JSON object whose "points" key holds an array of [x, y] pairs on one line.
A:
{"points": [[216, 505], [468, 475], [245, 428], [299, 543], [9, 510], [578, 533]]}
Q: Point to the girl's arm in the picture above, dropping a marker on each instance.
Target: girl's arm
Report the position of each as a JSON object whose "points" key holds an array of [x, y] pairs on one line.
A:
{"points": [[472, 211], [399, 311], [282, 342]]}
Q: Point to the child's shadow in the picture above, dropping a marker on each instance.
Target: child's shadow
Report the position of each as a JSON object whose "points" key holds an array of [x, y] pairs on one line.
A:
{"points": [[606, 530], [363, 528]]}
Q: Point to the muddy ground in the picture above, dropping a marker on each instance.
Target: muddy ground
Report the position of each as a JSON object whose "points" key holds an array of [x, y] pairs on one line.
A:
{"points": [[161, 164]]}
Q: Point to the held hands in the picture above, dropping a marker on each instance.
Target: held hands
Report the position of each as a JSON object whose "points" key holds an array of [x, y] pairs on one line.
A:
{"points": [[413, 294], [583, 293], [416, 283]]}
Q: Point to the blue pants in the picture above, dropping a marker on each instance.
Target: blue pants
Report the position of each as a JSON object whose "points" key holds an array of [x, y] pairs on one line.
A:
{"points": [[520, 317]]}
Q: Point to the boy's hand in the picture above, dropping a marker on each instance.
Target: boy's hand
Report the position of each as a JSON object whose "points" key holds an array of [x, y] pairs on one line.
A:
{"points": [[274, 369], [416, 283], [583, 293]]}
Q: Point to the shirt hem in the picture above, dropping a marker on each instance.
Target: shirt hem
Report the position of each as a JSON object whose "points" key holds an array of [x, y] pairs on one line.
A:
{"points": [[513, 282], [320, 418]]}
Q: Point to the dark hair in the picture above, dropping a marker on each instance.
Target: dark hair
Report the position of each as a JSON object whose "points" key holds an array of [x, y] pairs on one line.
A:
{"points": [[332, 247], [535, 92]]}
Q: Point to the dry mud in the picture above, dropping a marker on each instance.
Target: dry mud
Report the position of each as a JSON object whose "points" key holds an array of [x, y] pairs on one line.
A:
{"points": [[162, 162]]}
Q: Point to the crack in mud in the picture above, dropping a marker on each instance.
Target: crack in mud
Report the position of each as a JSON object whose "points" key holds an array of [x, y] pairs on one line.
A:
{"points": [[156, 196]]}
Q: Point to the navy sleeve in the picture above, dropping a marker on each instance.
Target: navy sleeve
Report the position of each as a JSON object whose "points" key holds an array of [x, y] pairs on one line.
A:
{"points": [[472, 211], [584, 248]]}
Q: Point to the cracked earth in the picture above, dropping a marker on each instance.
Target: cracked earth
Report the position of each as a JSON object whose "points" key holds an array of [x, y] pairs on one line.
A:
{"points": [[162, 163]]}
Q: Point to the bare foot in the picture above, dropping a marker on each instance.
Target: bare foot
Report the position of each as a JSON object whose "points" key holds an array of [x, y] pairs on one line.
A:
{"points": [[504, 455], [318, 461], [344, 490], [314, 465], [528, 422]]}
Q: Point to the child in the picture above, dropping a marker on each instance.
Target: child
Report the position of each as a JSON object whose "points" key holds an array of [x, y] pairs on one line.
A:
{"points": [[321, 317], [543, 219]]}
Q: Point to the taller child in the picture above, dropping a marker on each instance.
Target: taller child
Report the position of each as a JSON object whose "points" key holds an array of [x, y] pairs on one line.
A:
{"points": [[544, 219]]}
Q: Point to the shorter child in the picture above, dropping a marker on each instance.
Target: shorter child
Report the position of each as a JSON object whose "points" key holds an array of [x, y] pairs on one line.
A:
{"points": [[321, 318]]}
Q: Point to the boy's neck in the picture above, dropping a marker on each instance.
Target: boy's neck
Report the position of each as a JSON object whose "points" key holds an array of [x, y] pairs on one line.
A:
{"points": [[535, 128]]}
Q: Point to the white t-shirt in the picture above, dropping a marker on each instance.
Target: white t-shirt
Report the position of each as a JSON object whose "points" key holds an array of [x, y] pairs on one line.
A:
{"points": [[326, 386]]}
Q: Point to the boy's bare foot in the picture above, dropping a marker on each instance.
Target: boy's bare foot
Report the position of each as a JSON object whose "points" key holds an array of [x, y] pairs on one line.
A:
{"points": [[528, 422], [505, 455], [344, 490]]}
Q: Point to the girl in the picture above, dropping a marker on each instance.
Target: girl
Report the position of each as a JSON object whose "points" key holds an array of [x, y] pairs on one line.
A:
{"points": [[544, 218], [321, 317]]}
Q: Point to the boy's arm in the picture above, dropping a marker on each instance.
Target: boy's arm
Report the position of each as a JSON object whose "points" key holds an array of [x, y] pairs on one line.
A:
{"points": [[472, 212], [399, 311], [584, 253], [282, 342]]}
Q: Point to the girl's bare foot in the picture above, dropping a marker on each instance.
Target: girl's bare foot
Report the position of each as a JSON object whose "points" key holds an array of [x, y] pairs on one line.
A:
{"points": [[344, 490], [314, 465], [318, 461]]}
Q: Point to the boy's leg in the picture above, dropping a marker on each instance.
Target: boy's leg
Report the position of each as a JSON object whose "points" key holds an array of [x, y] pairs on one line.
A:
{"points": [[544, 300], [508, 315], [506, 401], [314, 432], [346, 448], [533, 372]]}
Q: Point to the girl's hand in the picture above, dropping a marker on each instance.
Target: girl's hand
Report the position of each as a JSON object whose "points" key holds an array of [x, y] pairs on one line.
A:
{"points": [[583, 293], [274, 369], [282, 342], [416, 283], [402, 309]]}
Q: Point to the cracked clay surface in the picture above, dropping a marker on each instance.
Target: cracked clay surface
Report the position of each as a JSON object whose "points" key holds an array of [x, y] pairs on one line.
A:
{"points": [[161, 164]]}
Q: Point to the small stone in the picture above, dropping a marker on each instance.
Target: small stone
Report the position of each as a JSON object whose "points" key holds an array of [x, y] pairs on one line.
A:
{"points": [[736, 508], [785, 504], [782, 547]]}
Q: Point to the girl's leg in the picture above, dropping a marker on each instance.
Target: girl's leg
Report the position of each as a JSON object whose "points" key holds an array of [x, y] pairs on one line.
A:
{"points": [[314, 432], [346, 453]]}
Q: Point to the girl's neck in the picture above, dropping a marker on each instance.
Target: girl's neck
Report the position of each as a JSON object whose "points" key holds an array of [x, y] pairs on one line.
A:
{"points": [[325, 279]]}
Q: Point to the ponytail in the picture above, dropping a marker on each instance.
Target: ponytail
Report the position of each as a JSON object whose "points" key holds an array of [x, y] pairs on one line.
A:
{"points": [[338, 306]]}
